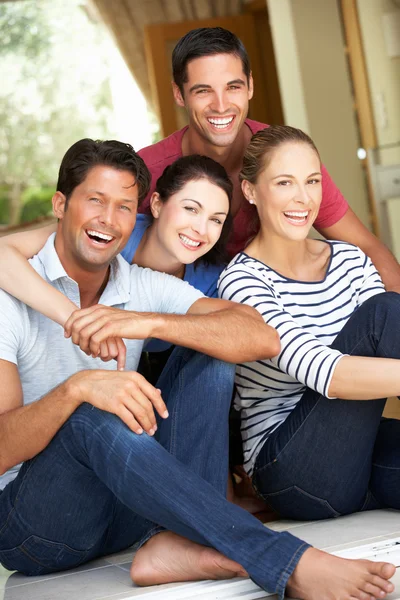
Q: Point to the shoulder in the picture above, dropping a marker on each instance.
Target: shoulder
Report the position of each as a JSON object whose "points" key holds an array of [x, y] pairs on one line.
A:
{"points": [[204, 277], [255, 126], [164, 152], [347, 254], [243, 270]]}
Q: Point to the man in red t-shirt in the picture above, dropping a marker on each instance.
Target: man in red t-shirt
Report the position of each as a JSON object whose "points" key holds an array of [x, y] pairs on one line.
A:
{"points": [[215, 87]]}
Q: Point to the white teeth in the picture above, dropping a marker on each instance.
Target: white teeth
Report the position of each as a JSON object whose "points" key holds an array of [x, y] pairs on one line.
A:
{"points": [[188, 241], [221, 123], [102, 236], [297, 214]]}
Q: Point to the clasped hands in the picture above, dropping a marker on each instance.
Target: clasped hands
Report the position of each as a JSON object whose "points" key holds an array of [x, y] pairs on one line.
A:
{"points": [[98, 331]]}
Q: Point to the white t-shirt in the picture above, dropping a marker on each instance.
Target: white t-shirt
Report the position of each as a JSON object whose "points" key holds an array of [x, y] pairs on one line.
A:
{"points": [[308, 315], [45, 358]]}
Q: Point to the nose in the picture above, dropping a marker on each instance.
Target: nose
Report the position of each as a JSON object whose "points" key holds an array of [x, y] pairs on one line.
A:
{"points": [[302, 196], [220, 102], [200, 226], [108, 215]]}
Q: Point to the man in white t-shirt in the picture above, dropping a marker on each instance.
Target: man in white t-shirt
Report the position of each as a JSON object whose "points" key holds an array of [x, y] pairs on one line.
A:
{"points": [[97, 475]]}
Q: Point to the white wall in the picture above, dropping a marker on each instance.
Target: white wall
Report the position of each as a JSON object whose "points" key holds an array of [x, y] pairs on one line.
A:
{"points": [[383, 74], [315, 88]]}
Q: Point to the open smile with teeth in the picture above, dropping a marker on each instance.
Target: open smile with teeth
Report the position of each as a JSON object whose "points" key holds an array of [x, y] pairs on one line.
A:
{"points": [[297, 216], [188, 242], [99, 237], [220, 123]]}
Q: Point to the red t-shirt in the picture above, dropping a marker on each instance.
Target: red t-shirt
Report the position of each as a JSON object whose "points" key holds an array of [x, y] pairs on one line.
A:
{"points": [[163, 153]]}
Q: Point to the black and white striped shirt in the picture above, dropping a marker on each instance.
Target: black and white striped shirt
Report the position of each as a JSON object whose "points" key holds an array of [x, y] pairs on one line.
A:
{"points": [[308, 315]]}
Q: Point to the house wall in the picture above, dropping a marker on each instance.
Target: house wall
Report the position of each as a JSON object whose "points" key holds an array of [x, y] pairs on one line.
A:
{"points": [[383, 74], [316, 88]]}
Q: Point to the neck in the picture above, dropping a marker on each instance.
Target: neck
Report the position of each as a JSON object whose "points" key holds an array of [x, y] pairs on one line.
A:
{"points": [[91, 282], [288, 257], [151, 254], [230, 157]]}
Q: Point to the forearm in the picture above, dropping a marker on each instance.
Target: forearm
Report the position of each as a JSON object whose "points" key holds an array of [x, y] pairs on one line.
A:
{"points": [[27, 430], [386, 265], [19, 279], [365, 378], [233, 335]]}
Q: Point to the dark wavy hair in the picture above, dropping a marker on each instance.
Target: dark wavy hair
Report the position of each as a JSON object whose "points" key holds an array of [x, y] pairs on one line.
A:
{"points": [[206, 41], [86, 154], [194, 168]]}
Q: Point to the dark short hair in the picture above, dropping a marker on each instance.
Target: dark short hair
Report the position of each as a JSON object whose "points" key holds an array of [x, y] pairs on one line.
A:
{"points": [[194, 168], [86, 154], [206, 41]]}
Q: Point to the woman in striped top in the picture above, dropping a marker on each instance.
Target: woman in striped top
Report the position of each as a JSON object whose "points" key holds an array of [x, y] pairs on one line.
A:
{"points": [[315, 443]]}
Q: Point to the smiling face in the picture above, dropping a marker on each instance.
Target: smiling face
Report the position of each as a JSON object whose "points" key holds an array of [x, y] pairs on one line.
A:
{"points": [[98, 219], [288, 192], [190, 222], [216, 97]]}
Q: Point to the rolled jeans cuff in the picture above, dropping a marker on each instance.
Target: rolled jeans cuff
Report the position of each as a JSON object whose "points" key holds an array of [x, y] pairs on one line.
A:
{"points": [[148, 535], [295, 548]]}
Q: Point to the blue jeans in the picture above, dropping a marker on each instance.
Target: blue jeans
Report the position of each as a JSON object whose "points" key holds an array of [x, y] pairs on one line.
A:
{"points": [[98, 488], [335, 457]]}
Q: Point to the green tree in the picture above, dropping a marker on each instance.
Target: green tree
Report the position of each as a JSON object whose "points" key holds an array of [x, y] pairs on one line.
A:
{"points": [[54, 91]]}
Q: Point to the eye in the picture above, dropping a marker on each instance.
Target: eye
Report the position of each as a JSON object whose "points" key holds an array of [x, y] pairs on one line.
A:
{"points": [[217, 221], [314, 181], [202, 91], [126, 208], [234, 87], [190, 209], [94, 199], [284, 182]]}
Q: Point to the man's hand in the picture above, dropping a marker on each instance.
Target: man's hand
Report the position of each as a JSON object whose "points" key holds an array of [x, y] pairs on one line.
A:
{"points": [[128, 395], [98, 330]]}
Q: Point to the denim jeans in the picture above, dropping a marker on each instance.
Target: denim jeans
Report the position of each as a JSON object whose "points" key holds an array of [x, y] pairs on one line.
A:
{"points": [[98, 488], [335, 457]]}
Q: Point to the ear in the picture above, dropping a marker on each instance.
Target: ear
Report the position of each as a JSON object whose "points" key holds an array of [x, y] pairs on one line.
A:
{"points": [[251, 86], [58, 202], [155, 205], [248, 191], [177, 95]]}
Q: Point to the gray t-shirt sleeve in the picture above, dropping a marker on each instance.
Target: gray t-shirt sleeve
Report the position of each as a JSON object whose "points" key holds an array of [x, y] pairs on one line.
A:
{"points": [[12, 319], [165, 293]]}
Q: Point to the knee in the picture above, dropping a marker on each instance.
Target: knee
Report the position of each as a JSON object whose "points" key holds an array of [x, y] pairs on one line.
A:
{"points": [[387, 301]]}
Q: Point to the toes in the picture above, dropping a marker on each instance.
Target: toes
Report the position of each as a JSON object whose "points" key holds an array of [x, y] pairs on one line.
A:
{"points": [[385, 570]]}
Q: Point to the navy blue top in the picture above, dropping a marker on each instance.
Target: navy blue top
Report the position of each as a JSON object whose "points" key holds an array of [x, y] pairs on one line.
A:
{"points": [[202, 277]]}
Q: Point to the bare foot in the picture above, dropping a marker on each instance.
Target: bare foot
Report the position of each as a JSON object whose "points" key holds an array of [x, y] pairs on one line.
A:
{"points": [[321, 576], [168, 558]]}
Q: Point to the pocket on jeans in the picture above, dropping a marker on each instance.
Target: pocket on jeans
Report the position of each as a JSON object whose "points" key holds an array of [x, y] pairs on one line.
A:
{"points": [[295, 503], [37, 556]]}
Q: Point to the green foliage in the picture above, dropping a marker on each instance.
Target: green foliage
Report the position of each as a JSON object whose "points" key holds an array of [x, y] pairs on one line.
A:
{"points": [[36, 203], [4, 212], [53, 92]]}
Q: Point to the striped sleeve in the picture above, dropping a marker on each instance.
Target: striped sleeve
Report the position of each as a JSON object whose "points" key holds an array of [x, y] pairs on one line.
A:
{"points": [[302, 355], [371, 283]]}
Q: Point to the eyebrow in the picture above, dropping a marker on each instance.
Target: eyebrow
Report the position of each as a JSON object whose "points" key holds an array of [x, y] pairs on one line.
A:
{"points": [[292, 176], [201, 206], [208, 87], [98, 193]]}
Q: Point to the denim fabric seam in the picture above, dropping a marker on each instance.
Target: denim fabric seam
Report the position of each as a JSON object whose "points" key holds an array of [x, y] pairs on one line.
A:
{"points": [[173, 438], [302, 491], [368, 497], [13, 510], [259, 469], [288, 570], [153, 531], [82, 553]]}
